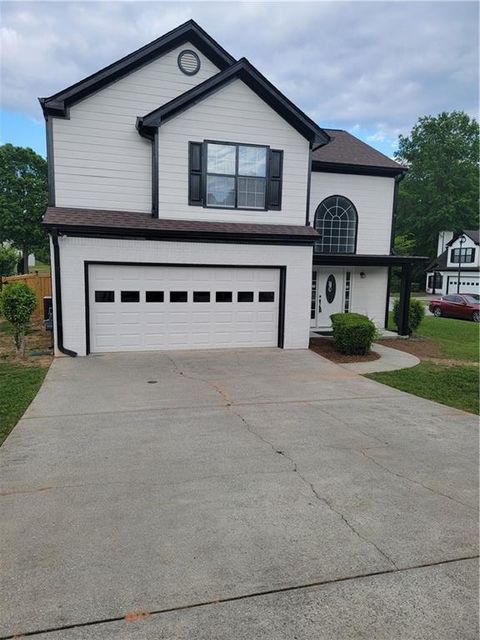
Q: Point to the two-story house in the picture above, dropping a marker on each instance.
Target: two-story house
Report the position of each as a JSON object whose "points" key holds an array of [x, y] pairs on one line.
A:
{"points": [[456, 269], [192, 205]]}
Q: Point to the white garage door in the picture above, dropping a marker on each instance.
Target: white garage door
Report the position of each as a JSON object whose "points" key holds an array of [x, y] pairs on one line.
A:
{"points": [[142, 308], [468, 284]]}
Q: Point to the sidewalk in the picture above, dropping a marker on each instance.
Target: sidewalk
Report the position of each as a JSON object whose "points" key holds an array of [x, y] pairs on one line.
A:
{"points": [[390, 360]]}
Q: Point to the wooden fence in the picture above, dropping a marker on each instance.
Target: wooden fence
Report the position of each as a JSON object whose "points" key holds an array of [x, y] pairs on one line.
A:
{"points": [[41, 284]]}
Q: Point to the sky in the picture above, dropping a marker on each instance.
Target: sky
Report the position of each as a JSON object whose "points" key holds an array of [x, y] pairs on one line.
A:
{"points": [[372, 68]]}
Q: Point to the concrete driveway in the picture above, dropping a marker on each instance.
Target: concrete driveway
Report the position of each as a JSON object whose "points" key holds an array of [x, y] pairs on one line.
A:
{"points": [[236, 495]]}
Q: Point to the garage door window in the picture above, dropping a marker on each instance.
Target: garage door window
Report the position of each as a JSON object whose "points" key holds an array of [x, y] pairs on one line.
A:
{"points": [[245, 296], [130, 296], [104, 296], [266, 296], [178, 296], [223, 296], [201, 296], [154, 296]]}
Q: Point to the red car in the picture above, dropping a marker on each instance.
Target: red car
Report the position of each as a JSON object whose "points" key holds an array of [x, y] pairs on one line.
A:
{"points": [[459, 305]]}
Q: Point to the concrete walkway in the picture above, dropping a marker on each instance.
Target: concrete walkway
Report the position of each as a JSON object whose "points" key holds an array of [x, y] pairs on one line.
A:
{"points": [[390, 360], [236, 495]]}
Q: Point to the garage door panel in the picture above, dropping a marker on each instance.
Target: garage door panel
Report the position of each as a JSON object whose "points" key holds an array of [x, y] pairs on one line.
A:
{"points": [[157, 324]]}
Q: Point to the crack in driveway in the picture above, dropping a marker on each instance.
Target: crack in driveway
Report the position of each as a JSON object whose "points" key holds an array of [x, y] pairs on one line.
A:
{"points": [[417, 482], [139, 615], [311, 486], [384, 445]]}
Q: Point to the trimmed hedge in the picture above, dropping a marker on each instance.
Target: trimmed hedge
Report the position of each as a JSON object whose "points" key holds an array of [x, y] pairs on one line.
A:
{"points": [[416, 313], [353, 333]]}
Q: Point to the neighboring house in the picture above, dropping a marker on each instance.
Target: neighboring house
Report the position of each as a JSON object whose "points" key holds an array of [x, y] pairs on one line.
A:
{"points": [[190, 199], [456, 269]]}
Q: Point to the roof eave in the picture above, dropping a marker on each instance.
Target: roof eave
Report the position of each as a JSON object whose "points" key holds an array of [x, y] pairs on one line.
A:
{"points": [[178, 235], [358, 169], [244, 71], [56, 105]]}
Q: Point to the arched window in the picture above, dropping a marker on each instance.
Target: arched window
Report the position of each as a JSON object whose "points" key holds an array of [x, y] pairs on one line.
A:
{"points": [[336, 221]]}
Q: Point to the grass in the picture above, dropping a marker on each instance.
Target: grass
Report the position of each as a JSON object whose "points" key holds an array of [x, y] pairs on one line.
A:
{"points": [[20, 379], [19, 384], [455, 386], [41, 267], [458, 339]]}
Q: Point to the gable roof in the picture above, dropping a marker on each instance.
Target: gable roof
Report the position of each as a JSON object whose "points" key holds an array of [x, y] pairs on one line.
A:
{"points": [[347, 154], [190, 31], [473, 234], [440, 264], [246, 72]]}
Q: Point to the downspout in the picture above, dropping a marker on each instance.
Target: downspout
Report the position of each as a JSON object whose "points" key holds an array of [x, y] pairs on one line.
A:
{"points": [[398, 178], [58, 297]]}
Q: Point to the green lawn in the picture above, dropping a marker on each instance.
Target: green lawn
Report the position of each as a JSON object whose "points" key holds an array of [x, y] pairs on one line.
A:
{"points": [[458, 339], [41, 267], [455, 386], [18, 386]]}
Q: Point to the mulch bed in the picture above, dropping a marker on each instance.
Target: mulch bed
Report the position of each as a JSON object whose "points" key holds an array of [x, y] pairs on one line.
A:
{"points": [[324, 347], [38, 352], [423, 348]]}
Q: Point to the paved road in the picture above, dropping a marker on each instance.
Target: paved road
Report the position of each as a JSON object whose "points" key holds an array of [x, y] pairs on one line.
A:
{"points": [[236, 495]]}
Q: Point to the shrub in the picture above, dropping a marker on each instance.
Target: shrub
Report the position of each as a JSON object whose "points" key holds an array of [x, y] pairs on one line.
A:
{"points": [[416, 313], [8, 260], [353, 333], [17, 303]]}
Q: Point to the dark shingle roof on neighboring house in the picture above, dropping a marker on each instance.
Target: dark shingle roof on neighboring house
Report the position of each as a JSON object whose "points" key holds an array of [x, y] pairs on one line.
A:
{"points": [[440, 263], [347, 150], [473, 234]]}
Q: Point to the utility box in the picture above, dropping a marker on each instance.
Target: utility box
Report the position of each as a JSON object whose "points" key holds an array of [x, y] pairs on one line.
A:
{"points": [[48, 313]]}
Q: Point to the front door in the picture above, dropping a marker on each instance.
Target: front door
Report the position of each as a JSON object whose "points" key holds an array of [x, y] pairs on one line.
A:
{"points": [[328, 290]]}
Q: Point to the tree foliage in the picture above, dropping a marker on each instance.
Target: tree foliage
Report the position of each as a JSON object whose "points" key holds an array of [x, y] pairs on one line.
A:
{"points": [[17, 303], [440, 190], [404, 245], [23, 199], [8, 260], [416, 313]]}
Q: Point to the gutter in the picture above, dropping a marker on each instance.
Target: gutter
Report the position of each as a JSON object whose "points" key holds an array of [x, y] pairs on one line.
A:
{"points": [[398, 179], [58, 297]]}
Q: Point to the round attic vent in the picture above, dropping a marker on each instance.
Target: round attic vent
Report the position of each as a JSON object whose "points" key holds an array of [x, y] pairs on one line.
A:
{"points": [[189, 62]]}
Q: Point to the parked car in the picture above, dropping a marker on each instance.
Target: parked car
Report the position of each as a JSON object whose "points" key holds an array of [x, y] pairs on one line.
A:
{"points": [[463, 305]]}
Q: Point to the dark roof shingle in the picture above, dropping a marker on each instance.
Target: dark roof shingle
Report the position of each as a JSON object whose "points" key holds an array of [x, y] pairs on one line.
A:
{"points": [[349, 150], [129, 222]]}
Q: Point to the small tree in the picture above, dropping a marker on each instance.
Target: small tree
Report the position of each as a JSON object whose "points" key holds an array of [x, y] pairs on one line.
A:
{"points": [[8, 260], [416, 313], [17, 303]]}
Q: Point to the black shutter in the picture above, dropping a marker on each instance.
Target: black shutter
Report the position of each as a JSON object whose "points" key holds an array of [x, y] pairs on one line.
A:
{"points": [[274, 189], [195, 195]]}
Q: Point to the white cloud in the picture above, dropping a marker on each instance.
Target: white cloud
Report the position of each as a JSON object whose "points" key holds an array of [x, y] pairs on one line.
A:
{"points": [[376, 66]]}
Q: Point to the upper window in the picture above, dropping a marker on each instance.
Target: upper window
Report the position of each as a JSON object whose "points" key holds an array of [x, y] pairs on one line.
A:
{"points": [[467, 254], [236, 176], [336, 221]]}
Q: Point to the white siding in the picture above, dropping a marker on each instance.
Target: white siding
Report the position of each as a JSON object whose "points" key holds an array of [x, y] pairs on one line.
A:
{"points": [[373, 199], [369, 294], [468, 244], [234, 114], [74, 251], [100, 159]]}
